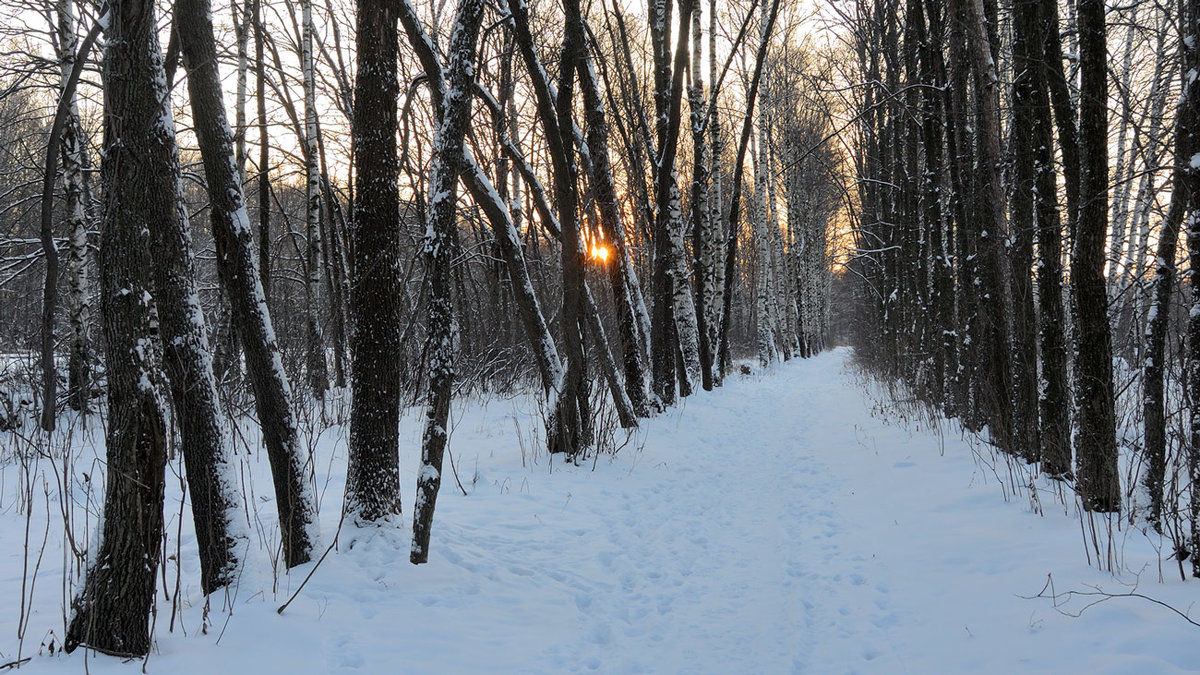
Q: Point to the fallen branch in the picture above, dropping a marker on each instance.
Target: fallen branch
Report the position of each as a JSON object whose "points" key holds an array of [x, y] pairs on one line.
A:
{"points": [[1102, 596], [314, 569]]}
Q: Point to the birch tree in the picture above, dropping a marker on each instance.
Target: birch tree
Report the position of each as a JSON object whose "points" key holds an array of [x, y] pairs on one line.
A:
{"points": [[78, 196], [318, 375]]}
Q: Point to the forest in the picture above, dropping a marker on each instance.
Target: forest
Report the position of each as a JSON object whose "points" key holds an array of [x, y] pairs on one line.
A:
{"points": [[279, 229]]}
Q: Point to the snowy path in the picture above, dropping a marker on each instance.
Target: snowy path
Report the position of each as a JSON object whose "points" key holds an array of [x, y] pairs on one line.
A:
{"points": [[773, 526]]}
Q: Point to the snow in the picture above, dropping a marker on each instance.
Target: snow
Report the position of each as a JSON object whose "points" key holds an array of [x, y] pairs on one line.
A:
{"points": [[774, 525]]}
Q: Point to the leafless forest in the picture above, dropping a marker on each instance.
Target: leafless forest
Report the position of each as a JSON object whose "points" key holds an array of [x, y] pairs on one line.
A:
{"points": [[300, 214]]}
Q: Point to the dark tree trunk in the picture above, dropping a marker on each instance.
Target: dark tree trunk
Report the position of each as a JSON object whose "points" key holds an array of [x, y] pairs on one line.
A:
{"points": [[622, 277], [1064, 114], [240, 278], [994, 383], [187, 358], [662, 265], [373, 468], [1154, 366], [1188, 187], [573, 415], [1095, 443], [1055, 397], [1186, 183], [936, 215], [565, 429], [112, 611], [959, 139], [1027, 59]]}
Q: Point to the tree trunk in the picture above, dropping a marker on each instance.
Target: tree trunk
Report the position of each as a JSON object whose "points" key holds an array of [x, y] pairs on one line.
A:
{"points": [[622, 276], [995, 301], [1055, 397], [1185, 207], [74, 162], [1095, 443], [112, 610], [264, 156], [565, 428], [573, 414], [242, 17], [701, 210], [503, 226], [453, 119], [1027, 57], [767, 352], [1188, 140], [373, 465], [318, 373], [735, 203], [1064, 115], [239, 276]]}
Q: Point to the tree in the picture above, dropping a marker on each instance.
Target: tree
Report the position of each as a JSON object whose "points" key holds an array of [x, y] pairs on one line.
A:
{"points": [[112, 610], [65, 136], [504, 229], [1054, 398], [733, 224], [1095, 443], [264, 155], [672, 329], [74, 163], [622, 276], [241, 282], [373, 469], [448, 162], [994, 275], [1027, 57], [565, 429], [1187, 188], [318, 375]]}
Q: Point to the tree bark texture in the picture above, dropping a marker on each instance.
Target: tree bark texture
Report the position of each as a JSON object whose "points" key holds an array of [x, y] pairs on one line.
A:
{"points": [[112, 611], [1095, 443], [239, 276], [448, 160], [373, 469]]}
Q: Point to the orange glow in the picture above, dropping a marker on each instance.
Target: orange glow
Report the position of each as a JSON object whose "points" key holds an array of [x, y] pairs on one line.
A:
{"points": [[600, 253]]}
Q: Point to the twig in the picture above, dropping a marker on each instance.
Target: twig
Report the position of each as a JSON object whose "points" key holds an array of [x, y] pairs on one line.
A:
{"points": [[454, 470], [314, 569], [1103, 596]]}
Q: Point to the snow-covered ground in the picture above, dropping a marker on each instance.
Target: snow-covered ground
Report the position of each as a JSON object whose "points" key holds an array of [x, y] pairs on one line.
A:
{"points": [[772, 526]]}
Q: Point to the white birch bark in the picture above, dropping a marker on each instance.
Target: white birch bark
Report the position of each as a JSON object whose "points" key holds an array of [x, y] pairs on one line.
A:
{"points": [[318, 376], [242, 23], [73, 162], [1117, 265], [762, 242], [685, 306]]}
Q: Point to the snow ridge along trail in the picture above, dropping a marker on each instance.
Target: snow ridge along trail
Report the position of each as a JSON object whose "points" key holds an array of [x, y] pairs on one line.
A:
{"points": [[771, 526]]}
